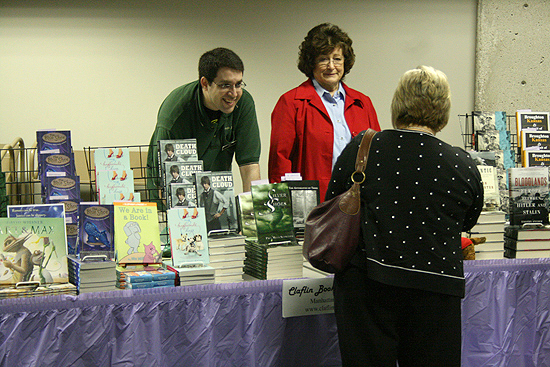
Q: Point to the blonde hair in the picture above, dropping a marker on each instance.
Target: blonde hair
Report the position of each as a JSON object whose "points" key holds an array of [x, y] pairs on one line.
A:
{"points": [[422, 98]]}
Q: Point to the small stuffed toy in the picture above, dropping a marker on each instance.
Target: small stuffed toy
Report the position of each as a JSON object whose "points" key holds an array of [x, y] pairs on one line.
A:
{"points": [[468, 247]]}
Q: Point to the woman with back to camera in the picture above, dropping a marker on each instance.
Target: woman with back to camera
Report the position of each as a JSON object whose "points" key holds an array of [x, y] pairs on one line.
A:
{"points": [[400, 297], [312, 123]]}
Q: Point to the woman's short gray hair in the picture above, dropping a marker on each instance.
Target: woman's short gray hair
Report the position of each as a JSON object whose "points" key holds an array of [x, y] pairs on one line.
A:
{"points": [[422, 98]]}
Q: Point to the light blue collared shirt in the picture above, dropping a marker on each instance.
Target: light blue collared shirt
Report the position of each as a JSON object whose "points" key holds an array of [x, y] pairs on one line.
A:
{"points": [[335, 108]]}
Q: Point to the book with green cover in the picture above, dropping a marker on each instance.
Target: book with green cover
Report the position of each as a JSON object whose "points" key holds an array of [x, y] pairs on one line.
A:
{"points": [[33, 250], [273, 213]]}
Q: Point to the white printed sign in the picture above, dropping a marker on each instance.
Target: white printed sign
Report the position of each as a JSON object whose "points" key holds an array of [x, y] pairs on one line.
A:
{"points": [[304, 297]]}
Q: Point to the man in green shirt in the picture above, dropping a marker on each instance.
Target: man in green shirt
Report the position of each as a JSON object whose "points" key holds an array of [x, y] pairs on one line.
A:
{"points": [[218, 112]]}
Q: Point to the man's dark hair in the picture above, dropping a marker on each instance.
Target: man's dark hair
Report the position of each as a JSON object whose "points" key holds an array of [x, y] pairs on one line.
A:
{"points": [[205, 180], [169, 148], [213, 60], [180, 191], [174, 168]]}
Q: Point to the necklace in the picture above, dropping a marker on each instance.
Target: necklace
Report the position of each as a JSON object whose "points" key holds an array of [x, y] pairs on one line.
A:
{"points": [[421, 129]]}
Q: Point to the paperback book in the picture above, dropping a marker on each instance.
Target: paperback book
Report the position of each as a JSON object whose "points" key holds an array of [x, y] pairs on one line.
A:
{"points": [[34, 250], [137, 235], [188, 237], [528, 195], [273, 213], [216, 195]]}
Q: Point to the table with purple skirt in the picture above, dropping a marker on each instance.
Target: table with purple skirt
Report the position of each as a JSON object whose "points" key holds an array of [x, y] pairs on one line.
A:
{"points": [[505, 316]]}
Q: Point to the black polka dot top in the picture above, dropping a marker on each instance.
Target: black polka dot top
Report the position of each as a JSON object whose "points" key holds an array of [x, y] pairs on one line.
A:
{"points": [[420, 193]]}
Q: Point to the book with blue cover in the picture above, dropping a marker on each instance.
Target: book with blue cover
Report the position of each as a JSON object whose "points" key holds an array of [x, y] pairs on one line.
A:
{"points": [[95, 230]]}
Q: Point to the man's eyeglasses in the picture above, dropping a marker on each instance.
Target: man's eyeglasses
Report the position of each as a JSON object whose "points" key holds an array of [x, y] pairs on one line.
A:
{"points": [[227, 86], [325, 61]]}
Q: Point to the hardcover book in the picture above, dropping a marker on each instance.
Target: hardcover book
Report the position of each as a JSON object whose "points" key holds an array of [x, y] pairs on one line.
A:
{"points": [[245, 215], [533, 158], [523, 245], [535, 140], [177, 150], [34, 249], [188, 237], [525, 254], [528, 120], [95, 230], [491, 133], [183, 195], [273, 213], [216, 195], [528, 195], [520, 233], [487, 166], [304, 196], [179, 173], [137, 235]]}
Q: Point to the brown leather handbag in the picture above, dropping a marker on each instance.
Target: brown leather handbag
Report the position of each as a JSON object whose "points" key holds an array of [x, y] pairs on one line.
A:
{"points": [[333, 228]]}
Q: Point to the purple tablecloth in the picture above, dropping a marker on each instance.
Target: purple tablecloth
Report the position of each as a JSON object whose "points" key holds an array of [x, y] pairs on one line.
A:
{"points": [[505, 316]]}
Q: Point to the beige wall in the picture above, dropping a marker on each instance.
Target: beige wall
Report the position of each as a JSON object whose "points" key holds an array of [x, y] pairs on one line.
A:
{"points": [[102, 70]]}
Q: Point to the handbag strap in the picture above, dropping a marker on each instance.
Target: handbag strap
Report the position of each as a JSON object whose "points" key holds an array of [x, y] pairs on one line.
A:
{"points": [[363, 153]]}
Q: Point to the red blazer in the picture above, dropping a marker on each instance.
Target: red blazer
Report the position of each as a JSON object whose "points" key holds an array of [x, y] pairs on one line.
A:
{"points": [[302, 133]]}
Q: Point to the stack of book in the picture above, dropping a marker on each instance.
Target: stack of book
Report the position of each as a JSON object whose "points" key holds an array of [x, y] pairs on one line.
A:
{"points": [[37, 291], [274, 253], [96, 275], [146, 278], [491, 225], [192, 275], [227, 255], [533, 137], [273, 261], [527, 242]]}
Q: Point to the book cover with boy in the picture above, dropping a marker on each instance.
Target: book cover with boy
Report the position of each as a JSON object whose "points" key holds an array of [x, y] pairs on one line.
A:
{"points": [[216, 195]]}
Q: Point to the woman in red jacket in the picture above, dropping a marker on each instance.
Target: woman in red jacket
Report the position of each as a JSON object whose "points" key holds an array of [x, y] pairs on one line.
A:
{"points": [[312, 123]]}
